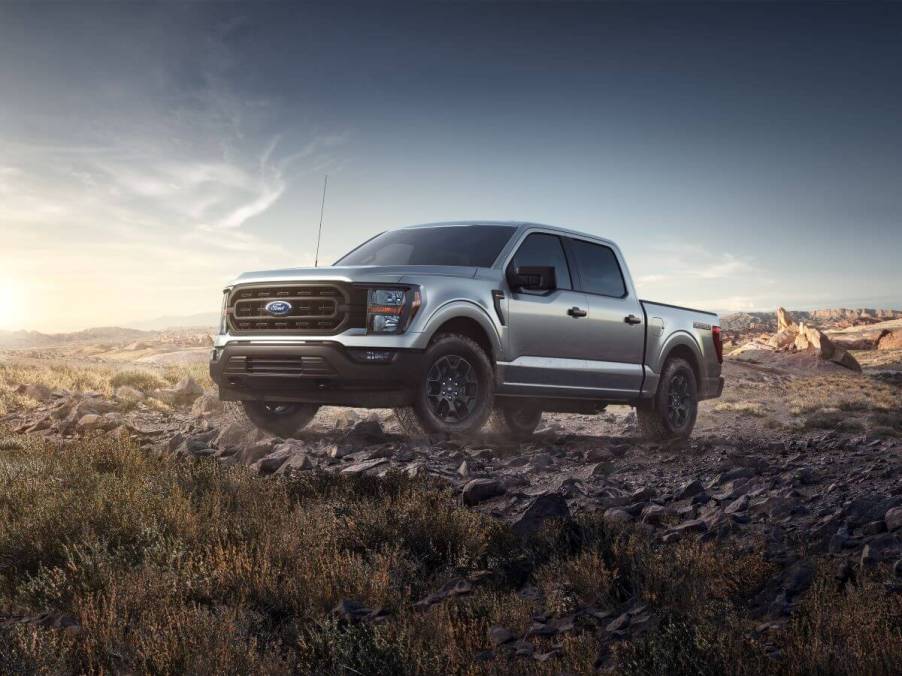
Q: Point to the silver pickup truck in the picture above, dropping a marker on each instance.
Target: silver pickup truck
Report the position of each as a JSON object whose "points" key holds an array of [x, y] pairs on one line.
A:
{"points": [[452, 324]]}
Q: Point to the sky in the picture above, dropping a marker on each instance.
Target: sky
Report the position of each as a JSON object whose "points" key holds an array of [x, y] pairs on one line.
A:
{"points": [[744, 156]]}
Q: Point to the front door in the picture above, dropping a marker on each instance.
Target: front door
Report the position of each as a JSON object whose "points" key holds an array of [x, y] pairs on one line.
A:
{"points": [[548, 332]]}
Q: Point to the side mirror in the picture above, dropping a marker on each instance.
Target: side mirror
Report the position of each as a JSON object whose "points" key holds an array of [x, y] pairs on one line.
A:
{"points": [[532, 278]]}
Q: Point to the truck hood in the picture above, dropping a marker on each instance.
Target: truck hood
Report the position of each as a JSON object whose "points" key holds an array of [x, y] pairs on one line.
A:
{"points": [[353, 273]]}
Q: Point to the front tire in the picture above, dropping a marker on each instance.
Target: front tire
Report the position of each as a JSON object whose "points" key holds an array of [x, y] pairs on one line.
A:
{"points": [[280, 419], [456, 390], [671, 413]]}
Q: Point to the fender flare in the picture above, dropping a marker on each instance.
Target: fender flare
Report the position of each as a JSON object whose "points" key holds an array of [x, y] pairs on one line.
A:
{"points": [[683, 338], [456, 309]]}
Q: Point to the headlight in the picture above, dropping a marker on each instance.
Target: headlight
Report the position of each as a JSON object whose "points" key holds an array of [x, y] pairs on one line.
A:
{"points": [[224, 315], [390, 310]]}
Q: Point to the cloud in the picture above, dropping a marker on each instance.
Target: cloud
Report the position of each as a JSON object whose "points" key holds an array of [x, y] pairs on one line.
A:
{"points": [[687, 273], [150, 208]]}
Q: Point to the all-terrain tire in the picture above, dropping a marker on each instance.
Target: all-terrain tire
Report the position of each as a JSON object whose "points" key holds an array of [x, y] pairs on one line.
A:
{"points": [[282, 420], [515, 421], [464, 357], [671, 413]]}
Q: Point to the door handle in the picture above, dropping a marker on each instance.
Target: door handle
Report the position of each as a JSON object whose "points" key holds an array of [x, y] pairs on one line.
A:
{"points": [[632, 319], [576, 312]]}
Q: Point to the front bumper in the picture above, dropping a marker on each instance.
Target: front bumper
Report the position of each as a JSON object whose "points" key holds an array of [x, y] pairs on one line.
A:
{"points": [[316, 372]]}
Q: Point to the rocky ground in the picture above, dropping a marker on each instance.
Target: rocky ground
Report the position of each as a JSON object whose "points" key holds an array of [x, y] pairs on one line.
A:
{"points": [[800, 457]]}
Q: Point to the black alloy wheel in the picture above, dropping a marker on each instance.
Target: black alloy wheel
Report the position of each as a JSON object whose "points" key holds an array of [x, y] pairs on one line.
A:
{"points": [[452, 389], [678, 401]]}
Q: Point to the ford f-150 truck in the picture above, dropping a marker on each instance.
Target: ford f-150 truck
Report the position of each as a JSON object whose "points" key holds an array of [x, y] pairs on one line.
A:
{"points": [[453, 323]]}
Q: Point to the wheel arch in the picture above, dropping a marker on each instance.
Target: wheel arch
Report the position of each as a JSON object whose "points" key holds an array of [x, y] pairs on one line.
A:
{"points": [[469, 320], [681, 345]]}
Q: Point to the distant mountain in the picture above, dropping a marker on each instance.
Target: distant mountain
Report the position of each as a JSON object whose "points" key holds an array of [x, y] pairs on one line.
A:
{"points": [[104, 334], [767, 321], [201, 319]]}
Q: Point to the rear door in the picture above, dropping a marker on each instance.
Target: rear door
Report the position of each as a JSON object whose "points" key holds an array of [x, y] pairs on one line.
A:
{"points": [[616, 348], [547, 337]]}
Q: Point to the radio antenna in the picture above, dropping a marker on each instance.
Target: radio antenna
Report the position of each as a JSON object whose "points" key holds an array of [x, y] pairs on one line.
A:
{"points": [[319, 235]]}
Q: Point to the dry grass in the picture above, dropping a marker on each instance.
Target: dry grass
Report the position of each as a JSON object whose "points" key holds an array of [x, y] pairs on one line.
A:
{"points": [[190, 567], [97, 378], [848, 393], [753, 408]]}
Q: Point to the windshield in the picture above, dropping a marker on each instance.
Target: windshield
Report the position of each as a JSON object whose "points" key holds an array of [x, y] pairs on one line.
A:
{"points": [[465, 245]]}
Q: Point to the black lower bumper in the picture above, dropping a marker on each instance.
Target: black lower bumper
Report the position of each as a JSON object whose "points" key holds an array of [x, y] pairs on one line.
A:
{"points": [[321, 373]]}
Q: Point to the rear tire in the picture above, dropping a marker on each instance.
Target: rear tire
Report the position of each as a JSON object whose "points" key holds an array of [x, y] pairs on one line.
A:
{"points": [[282, 420], [671, 413], [516, 421], [456, 390]]}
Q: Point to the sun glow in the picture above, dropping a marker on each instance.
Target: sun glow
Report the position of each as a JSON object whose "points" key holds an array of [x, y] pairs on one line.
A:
{"points": [[12, 305]]}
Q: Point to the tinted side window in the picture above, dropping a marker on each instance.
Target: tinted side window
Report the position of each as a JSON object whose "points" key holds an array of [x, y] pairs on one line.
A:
{"points": [[541, 249], [598, 269]]}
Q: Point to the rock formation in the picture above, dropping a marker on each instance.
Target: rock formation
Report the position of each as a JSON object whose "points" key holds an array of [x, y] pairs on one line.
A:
{"points": [[802, 337]]}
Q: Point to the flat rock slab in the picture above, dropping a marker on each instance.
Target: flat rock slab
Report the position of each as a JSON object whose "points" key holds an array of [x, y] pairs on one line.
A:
{"points": [[364, 466]]}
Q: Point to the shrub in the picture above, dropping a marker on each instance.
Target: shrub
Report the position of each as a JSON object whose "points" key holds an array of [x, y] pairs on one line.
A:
{"points": [[141, 380]]}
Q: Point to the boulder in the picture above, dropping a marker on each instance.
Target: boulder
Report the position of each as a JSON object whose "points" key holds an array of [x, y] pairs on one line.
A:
{"points": [[273, 462], [479, 490], [254, 452], [890, 340], [237, 434], [845, 359], [689, 489], [881, 549], [206, 405], [89, 422], [363, 466], [893, 518], [346, 419], [811, 338], [297, 462], [183, 394], [783, 339], [340, 450], [543, 507], [740, 504], [128, 393], [654, 514]]}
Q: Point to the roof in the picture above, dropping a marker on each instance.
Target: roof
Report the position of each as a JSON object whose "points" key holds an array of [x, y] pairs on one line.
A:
{"points": [[518, 224]]}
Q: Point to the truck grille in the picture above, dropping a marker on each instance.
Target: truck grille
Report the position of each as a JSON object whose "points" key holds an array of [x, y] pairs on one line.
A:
{"points": [[314, 309]]}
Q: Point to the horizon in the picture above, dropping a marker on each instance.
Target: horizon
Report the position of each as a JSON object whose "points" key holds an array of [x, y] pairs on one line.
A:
{"points": [[744, 157], [213, 318]]}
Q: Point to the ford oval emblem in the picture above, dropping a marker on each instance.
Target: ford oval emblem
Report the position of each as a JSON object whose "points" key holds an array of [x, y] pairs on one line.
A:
{"points": [[278, 308]]}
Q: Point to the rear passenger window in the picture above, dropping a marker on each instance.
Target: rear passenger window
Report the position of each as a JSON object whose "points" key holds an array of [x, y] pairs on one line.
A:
{"points": [[544, 250], [598, 269]]}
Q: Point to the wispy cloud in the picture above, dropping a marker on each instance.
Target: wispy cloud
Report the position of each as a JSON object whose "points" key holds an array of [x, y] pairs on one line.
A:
{"points": [[147, 209], [689, 273]]}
